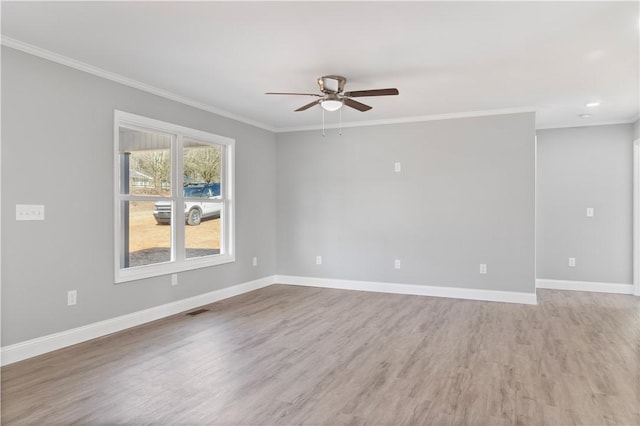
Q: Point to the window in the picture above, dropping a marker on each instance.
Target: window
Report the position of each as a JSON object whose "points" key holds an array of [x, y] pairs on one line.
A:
{"points": [[160, 166]]}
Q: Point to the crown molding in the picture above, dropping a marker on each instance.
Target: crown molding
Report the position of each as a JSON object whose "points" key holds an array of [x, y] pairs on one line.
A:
{"points": [[591, 124], [81, 66], [413, 119]]}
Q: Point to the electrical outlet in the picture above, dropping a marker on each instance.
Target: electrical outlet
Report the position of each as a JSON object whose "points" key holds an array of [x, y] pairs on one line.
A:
{"points": [[572, 262], [72, 297], [589, 211], [255, 261], [483, 268], [174, 279], [397, 264], [397, 167], [318, 260]]}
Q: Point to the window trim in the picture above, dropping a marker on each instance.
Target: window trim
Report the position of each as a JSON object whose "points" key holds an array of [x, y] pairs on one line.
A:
{"points": [[227, 232]]}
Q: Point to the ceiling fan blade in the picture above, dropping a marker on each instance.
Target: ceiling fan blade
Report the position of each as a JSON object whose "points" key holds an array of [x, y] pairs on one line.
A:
{"points": [[307, 106], [356, 105], [375, 92], [286, 93]]}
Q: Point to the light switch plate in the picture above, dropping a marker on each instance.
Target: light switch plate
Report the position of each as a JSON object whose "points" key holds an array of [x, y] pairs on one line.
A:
{"points": [[29, 212]]}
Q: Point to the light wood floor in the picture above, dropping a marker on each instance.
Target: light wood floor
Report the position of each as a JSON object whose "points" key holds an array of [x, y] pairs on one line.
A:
{"points": [[296, 355]]}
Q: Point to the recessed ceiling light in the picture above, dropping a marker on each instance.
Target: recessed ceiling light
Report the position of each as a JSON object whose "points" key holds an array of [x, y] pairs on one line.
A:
{"points": [[584, 115], [592, 104]]}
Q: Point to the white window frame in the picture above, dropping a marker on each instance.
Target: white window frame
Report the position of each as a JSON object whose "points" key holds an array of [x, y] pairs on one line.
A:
{"points": [[178, 262]]}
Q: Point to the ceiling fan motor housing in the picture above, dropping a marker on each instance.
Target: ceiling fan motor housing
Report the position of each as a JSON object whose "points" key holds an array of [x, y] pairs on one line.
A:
{"points": [[331, 84]]}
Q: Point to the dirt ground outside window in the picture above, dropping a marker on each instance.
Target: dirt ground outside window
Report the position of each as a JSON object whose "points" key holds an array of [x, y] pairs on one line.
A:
{"points": [[150, 243]]}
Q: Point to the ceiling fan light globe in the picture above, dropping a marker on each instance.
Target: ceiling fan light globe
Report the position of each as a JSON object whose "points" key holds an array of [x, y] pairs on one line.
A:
{"points": [[331, 105]]}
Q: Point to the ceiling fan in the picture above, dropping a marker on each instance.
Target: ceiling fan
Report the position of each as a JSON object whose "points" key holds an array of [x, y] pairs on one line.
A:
{"points": [[333, 97]]}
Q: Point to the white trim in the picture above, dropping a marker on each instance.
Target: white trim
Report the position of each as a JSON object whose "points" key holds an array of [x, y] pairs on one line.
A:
{"points": [[82, 66], [413, 289], [636, 217], [585, 286], [30, 348], [41, 345], [1, 203], [535, 205], [590, 124], [414, 119], [178, 263]]}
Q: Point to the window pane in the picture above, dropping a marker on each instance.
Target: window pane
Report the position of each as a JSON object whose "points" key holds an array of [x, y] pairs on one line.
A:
{"points": [[146, 241], [201, 163], [146, 156], [202, 234], [172, 212]]}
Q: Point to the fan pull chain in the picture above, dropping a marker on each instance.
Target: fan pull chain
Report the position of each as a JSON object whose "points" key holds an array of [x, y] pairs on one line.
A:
{"points": [[340, 132], [322, 122]]}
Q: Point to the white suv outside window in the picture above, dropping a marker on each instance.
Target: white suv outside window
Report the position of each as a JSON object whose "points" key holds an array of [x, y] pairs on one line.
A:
{"points": [[194, 211]]}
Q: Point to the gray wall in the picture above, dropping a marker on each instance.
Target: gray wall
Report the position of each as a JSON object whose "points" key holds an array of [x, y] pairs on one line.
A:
{"points": [[636, 130], [465, 196], [579, 168], [57, 150]]}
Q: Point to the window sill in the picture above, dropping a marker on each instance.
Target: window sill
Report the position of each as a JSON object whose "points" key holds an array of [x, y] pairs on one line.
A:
{"points": [[160, 269]]}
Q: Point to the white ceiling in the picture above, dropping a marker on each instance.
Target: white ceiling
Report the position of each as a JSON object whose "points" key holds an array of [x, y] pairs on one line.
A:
{"points": [[444, 57]]}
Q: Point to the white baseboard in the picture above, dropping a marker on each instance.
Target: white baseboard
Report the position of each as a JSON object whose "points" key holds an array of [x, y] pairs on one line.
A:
{"points": [[585, 286], [418, 290], [30, 348]]}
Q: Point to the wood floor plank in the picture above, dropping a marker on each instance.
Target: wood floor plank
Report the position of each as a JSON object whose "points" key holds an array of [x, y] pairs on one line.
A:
{"points": [[295, 355]]}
